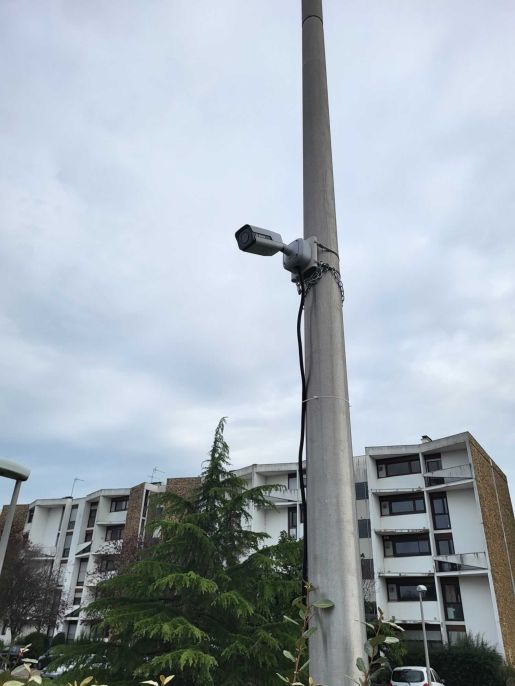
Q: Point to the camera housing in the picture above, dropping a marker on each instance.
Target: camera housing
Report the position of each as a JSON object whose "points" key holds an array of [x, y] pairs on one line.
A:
{"points": [[259, 241]]}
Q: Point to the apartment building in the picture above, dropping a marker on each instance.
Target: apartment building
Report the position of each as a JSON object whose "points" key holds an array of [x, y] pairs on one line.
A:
{"points": [[441, 516], [436, 513], [80, 537], [288, 513]]}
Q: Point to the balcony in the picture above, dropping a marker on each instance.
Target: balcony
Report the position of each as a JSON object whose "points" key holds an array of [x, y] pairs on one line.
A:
{"points": [[462, 562], [448, 476]]}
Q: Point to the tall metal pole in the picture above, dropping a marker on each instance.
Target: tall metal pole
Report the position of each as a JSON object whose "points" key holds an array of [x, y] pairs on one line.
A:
{"points": [[8, 523], [333, 555], [424, 635]]}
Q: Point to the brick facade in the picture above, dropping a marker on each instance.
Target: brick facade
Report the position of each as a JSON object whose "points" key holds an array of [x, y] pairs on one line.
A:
{"points": [[499, 526], [183, 486]]}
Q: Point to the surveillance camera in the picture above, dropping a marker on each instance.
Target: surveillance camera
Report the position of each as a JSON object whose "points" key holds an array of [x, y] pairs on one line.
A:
{"points": [[259, 241]]}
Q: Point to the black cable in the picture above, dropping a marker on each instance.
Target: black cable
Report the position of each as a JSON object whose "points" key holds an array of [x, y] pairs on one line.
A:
{"points": [[326, 249], [302, 435]]}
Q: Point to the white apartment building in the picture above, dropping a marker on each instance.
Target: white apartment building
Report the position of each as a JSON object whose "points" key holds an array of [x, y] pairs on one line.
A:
{"points": [[78, 537], [436, 513], [440, 515]]}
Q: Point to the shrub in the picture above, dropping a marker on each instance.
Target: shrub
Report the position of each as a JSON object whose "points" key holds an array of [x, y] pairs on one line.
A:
{"points": [[471, 662], [59, 639], [38, 642]]}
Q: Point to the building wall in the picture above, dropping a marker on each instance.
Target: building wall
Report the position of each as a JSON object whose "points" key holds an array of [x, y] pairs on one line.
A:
{"points": [[478, 606], [499, 527]]}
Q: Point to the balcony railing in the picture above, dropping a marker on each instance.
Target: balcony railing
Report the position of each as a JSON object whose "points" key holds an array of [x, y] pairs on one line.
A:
{"points": [[448, 475], [461, 562]]}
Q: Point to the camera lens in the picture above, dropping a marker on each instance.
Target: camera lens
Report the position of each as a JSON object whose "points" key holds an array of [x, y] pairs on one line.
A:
{"points": [[245, 237]]}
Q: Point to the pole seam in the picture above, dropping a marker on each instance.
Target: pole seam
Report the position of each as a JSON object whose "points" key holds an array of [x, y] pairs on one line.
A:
{"points": [[312, 16]]}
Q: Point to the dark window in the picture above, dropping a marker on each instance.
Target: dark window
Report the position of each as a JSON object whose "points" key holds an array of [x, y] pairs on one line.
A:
{"points": [[402, 504], [292, 522], [403, 546], [77, 597], [114, 533], [408, 675], [81, 576], [455, 633], [444, 544], [404, 589], [364, 528], [452, 599], [92, 514], [440, 509], [108, 564], [73, 517], [67, 544], [398, 466], [301, 513], [367, 568], [88, 536], [30, 516], [119, 504], [361, 490], [292, 480], [433, 464], [71, 631]]}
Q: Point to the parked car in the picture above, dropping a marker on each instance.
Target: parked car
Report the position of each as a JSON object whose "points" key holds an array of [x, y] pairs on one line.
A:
{"points": [[406, 676]]}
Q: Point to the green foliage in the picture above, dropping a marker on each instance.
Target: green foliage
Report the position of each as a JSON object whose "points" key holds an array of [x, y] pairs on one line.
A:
{"points": [[471, 662], [394, 651], [306, 611], [381, 636], [205, 603], [37, 641], [59, 639]]}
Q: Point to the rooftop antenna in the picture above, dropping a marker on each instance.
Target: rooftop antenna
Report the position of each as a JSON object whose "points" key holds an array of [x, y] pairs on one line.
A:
{"points": [[153, 475], [73, 486]]}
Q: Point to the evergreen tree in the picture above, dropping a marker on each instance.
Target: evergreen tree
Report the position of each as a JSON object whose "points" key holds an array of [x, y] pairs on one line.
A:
{"points": [[205, 603]]}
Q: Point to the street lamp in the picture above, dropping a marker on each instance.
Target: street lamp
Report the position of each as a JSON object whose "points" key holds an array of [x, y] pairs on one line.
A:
{"points": [[422, 590], [11, 470]]}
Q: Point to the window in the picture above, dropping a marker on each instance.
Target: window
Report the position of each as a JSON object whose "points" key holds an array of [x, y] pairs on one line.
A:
{"points": [[71, 631], [81, 576], [73, 517], [405, 589], [119, 504], [456, 633], [30, 515], [398, 466], [88, 536], [364, 528], [433, 464], [292, 481], [452, 599], [361, 488], [108, 564], [77, 597], [367, 568], [301, 513], [408, 503], [292, 522], [440, 508], [409, 675], [67, 544], [404, 546], [444, 544], [114, 533], [92, 514]]}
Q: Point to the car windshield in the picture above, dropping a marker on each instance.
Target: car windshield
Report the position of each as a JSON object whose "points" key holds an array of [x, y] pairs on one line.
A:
{"points": [[411, 676]]}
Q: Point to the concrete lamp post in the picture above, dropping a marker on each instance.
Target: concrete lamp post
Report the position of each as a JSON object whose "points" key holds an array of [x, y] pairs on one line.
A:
{"points": [[422, 590], [11, 470]]}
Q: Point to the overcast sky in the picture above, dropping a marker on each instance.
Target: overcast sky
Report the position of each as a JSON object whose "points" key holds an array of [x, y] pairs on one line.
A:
{"points": [[136, 137]]}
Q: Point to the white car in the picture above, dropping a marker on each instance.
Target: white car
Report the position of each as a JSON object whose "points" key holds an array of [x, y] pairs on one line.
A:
{"points": [[406, 676]]}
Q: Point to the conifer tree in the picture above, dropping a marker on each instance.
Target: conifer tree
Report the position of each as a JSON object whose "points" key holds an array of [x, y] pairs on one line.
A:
{"points": [[206, 603]]}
